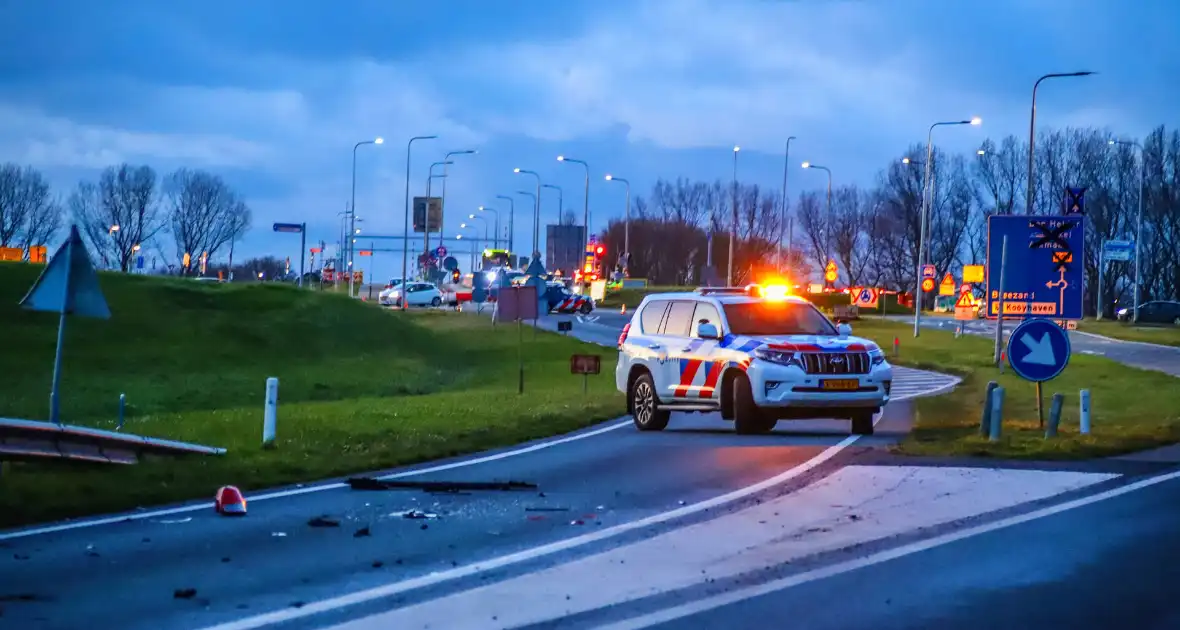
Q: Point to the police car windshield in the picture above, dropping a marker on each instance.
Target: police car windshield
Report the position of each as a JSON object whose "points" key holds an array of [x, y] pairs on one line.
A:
{"points": [[776, 318]]}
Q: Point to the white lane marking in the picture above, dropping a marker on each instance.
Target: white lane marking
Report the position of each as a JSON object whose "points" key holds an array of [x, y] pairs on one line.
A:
{"points": [[742, 594], [1114, 340], [280, 494], [387, 590], [854, 505]]}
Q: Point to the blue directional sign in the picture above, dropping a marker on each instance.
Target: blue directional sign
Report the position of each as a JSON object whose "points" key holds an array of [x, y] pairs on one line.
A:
{"points": [[440, 252], [289, 227], [1118, 250], [1038, 350], [1044, 266]]}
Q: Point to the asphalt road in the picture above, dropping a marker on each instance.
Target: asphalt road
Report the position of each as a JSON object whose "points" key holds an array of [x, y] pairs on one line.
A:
{"points": [[1111, 564], [1141, 355], [127, 575]]}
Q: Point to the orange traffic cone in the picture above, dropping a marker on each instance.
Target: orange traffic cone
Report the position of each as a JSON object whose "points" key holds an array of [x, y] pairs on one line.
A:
{"points": [[229, 501], [623, 310]]}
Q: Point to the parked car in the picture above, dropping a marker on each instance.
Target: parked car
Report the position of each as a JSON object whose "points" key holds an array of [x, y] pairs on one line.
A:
{"points": [[1155, 312], [383, 298]]}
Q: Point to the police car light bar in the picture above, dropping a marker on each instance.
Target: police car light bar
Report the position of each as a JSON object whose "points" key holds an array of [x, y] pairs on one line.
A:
{"points": [[722, 290]]}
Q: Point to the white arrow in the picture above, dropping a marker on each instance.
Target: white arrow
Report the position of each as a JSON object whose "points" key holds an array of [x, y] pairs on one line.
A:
{"points": [[1039, 352]]}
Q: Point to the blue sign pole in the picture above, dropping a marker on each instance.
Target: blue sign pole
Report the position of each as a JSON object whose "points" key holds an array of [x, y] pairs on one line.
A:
{"points": [[1038, 351]]}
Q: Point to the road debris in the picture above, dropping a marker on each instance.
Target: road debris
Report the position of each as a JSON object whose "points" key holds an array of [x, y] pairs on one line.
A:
{"points": [[377, 564], [323, 521], [546, 509], [369, 483], [184, 593], [175, 521], [362, 532], [415, 513], [229, 501], [278, 534]]}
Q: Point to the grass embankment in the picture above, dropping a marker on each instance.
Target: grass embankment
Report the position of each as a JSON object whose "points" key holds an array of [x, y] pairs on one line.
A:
{"points": [[1163, 334], [632, 297], [1130, 409], [360, 388]]}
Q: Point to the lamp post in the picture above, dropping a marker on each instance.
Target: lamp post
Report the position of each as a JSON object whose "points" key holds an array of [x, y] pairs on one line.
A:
{"points": [[1032, 124], [406, 224], [924, 214], [626, 226], [442, 202], [734, 230], [496, 234], [426, 215], [482, 220], [1138, 226], [536, 211], [560, 207], [784, 254], [471, 250], [352, 206], [585, 200], [536, 199], [511, 222], [828, 212]]}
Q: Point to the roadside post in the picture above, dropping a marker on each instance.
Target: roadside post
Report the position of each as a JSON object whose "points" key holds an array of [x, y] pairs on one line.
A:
{"points": [[122, 411], [997, 419], [1054, 415], [270, 412], [585, 364], [1038, 351], [1084, 409], [986, 416]]}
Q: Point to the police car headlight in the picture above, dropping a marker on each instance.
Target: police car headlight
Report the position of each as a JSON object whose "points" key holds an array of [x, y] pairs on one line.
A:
{"points": [[778, 356], [1123, 311], [877, 356]]}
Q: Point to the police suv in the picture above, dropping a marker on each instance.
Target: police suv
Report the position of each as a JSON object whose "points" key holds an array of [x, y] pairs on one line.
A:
{"points": [[755, 354]]}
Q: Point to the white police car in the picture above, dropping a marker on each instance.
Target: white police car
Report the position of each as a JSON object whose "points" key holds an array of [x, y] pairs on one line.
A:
{"points": [[755, 354]]}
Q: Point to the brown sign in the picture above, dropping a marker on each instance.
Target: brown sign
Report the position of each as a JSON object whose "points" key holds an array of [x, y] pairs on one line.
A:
{"points": [[516, 303], [585, 364]]}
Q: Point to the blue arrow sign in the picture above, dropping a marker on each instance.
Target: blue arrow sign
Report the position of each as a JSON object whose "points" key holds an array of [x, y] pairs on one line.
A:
{"points": [[289, 227], [1038, 350]]}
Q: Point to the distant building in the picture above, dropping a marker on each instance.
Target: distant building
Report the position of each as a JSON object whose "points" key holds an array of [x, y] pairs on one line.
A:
{"points": [[563, 247]]}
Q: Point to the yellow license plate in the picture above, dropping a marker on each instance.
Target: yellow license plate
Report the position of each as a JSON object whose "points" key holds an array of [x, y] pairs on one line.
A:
{"points": [[839, 384]]}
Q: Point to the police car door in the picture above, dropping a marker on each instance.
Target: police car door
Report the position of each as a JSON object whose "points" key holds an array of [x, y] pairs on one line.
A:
{"points": [[680, 369]]}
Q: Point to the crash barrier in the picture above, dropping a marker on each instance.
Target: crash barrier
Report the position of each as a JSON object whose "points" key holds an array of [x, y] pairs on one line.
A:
{"points": [[33, 440]]}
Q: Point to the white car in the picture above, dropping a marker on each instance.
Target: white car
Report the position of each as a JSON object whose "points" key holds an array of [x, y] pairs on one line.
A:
{"points": [[417, 294], [756, 355], [383, 297]]}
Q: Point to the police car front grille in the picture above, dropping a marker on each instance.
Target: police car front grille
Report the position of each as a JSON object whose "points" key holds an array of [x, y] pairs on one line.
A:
{"points": [[836, 362]]}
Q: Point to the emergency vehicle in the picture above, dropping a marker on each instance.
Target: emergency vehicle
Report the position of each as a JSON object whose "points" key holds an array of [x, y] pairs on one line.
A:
{"points": [[562, 300], [756, 354]]}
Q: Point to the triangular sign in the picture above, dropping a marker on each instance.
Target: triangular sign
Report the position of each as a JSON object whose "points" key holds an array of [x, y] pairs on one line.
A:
{"points": [[68, 284], [948, 279], [964, 300], [535, 268]]}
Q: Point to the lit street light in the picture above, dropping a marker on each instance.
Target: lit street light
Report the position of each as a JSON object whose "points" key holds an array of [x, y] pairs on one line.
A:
{"points": [[828, 213], [496, 233], [431, 176], [536, 212], [1032, 124], [485, 225], [442, 202], [1138, 226], [585, 200], [352, 205], [734, 229], [511, 222], [536, 201], [626, 227], [406, 229], [924, 214]]}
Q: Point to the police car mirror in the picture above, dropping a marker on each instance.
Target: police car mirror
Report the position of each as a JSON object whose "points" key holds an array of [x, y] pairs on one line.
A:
{"points": [[707, 331], [844, 329]]}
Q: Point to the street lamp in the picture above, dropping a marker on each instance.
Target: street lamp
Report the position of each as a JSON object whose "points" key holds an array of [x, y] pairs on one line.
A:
{"points": [[496, 234], [485, 225], [442, 202], [426, 213], [406, 224], [828, 214], [626, 226], [734, 230], [533, 255], [352, 205], [784, 253], [1138, 225], [511, 222], [585, 200], [1032, 123], [536, 211], [924, 213]]}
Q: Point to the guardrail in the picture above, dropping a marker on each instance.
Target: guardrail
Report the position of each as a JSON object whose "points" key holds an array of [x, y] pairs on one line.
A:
{"points": [[34, 440]]}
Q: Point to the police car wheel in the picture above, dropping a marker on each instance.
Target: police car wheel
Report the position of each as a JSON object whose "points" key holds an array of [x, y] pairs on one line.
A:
{"points": [[862, 423], [748, 419], [585, 308], [644, 405]]}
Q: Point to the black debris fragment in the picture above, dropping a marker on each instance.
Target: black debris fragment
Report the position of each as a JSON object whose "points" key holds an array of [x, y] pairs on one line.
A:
{"points": [[546, 509], [22, 597], [362, 532], [424, 526], [225, 559], [297, 604], [416, 514], [19, 556], [323, 521], [369, 483], [184, 593], [853, 517], [377, 564]]}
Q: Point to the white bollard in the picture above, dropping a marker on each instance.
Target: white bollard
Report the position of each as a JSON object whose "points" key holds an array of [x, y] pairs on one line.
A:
{"points": [[270, 413], [1084, 415]]}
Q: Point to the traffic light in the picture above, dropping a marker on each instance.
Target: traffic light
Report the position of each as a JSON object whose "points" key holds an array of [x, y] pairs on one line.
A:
{"points": [[455, 276], [599, 251]]}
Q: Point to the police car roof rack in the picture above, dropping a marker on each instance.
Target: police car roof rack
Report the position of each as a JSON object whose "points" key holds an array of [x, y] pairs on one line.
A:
{"points": [[722, 290]]}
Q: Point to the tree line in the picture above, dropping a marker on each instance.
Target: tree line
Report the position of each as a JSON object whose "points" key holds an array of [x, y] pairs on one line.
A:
{"points": [[125, 211], [872, 233]]}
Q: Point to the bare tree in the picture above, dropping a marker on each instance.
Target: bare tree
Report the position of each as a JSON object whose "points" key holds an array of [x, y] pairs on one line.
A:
{"points": [[811, 214], [853, 214], [29, 215], [119, 213], [204, 214]]}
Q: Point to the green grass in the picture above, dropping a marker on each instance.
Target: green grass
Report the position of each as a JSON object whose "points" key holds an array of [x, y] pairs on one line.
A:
{"points": [[1131, 409], [1163, 334], [632, 297], [361, 388]]}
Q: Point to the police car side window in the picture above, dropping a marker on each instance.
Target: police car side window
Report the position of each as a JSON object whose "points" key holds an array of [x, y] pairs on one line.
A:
{"points": [[705, 312], [679, 322], [652, 316]]}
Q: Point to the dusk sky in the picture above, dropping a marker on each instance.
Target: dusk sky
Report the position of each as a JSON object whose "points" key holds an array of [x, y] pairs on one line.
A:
{"points": [[273, 94]]}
